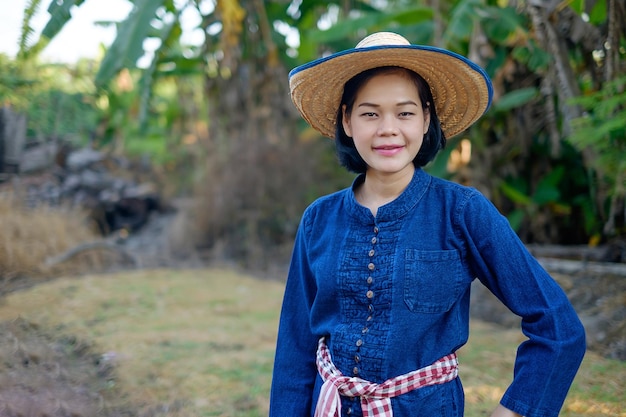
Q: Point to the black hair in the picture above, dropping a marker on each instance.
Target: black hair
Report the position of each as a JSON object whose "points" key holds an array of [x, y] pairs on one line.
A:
{"points": [[434, 139]]}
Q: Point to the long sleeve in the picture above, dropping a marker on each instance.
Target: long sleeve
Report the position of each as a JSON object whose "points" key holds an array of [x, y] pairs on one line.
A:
{"points": [[294, 366], [547, 362]]}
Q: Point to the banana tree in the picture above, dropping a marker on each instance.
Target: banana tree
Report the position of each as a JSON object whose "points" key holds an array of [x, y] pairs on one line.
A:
{"points": [[245, 57]]}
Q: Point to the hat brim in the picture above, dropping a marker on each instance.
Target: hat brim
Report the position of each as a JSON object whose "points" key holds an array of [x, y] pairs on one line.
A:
{"points": [[461, 89]]}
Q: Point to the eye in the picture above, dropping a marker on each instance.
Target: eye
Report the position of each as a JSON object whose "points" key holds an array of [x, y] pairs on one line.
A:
{"points": [[368, 114], [406, 114]]}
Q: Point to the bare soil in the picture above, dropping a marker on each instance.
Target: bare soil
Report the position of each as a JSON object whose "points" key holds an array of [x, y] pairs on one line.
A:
{"points": [[44, 373]]}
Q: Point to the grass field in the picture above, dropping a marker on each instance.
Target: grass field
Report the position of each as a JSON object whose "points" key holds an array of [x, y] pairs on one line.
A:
{"points": [[201, 342]]}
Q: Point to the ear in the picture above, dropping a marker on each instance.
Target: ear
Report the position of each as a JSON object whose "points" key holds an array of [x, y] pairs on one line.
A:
{"points": [[426, 118], [345, 121]]}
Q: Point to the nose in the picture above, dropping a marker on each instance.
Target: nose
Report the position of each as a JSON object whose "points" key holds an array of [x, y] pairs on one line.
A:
{"points": [[387, 126]]}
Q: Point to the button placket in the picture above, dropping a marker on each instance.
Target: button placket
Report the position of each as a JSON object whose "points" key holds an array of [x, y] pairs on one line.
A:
{"points": [[371, 266], [369, 294]]}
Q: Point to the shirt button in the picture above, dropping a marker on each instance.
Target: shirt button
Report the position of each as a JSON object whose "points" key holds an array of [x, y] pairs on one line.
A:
{"points": [[357, 358], [369, 318], [370, 294], [370, 307], [374, 240], [370, 280], [355, 370], [365, 330], [371, 266], [371, 253], [359, 342], [375, 229], [349, 410]]}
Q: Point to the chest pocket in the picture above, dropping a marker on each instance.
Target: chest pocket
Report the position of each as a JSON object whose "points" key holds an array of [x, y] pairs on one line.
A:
{"points": [[433, 280]]}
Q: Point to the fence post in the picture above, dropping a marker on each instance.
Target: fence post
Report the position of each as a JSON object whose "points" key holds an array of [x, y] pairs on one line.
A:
{"points": [[12, 139]]}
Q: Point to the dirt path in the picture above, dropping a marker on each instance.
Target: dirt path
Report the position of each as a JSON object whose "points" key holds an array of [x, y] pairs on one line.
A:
{"points": [[52, 374]]}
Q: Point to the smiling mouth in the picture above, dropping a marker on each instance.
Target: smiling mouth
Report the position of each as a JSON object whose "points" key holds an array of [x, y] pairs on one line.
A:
{"points": [[388, 149]]}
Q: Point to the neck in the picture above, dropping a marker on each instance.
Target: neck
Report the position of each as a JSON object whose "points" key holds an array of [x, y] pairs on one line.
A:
{"points": [[380, 189]]}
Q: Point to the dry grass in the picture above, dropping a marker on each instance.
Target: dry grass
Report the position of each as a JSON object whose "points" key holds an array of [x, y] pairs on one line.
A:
{"points": [[52, 375], [30, 236], [200, 343]]}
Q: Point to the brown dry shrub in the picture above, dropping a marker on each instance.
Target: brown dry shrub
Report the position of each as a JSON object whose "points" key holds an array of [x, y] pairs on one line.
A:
{"points": [[32, 235], [250, 196]]}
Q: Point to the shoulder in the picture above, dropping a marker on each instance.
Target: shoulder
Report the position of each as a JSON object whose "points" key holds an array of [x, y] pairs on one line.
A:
{"points": [[325, 205], [462, 201], [450, 190], [453, 187]]}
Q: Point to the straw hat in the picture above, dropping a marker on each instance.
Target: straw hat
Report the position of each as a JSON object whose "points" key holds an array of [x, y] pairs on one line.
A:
{"points": [[461, 89]]}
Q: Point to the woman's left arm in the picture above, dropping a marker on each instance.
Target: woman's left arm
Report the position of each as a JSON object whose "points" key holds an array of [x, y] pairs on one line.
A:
{"points": [[547, 362]]}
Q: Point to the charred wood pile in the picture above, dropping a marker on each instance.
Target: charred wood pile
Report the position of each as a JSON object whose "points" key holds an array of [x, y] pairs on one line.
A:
{"points": [[118, 196], [106, 187]]}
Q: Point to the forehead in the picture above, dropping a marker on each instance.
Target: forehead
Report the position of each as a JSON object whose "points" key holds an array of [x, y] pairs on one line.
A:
{"points": [[397, 82]]}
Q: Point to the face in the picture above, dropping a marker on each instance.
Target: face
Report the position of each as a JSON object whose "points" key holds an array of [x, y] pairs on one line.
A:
{"points": [[387, 123]]}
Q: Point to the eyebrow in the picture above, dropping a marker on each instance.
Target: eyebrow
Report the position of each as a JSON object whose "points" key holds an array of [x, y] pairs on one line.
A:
{"points": [[402, 103]]}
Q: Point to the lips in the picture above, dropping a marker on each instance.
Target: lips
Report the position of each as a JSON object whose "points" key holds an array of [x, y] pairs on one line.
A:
{"points": [[386, 147], [388, 150]]}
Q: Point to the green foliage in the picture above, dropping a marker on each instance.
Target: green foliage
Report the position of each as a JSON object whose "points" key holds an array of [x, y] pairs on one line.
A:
{"points": [[597, 14], [60, 14], [515, 98], [603, 127], [561, 193], [13, 82], [461, 22], [370, 21], [128, 45], [529, 202], [57, 99], [59, 114], [167, 36], [501, 23], [531, 55], [148, 144], [27, 31], [601, 132]]}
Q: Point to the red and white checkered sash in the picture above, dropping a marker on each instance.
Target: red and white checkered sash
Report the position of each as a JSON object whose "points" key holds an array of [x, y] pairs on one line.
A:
{"points": [[375, 398]]}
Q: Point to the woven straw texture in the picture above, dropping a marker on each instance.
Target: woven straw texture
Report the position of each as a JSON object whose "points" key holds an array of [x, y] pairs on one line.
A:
{"points": [[461, 90]]}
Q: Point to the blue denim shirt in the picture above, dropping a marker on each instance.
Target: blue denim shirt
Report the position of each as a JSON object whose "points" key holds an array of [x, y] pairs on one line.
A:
{"points": [[392, 293]]}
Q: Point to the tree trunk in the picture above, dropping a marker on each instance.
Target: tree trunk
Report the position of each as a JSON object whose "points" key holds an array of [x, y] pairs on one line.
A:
{"points": [[564, 84]]}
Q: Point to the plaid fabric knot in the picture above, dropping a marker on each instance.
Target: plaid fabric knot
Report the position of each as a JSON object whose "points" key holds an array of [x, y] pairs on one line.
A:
{"points": [[375, 398]]}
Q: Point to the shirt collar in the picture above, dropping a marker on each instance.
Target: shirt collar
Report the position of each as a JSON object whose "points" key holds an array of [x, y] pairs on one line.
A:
{"points": [[395, 209]]}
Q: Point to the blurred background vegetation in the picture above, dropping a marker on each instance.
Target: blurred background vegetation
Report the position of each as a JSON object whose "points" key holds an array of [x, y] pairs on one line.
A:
{"points": [[216, 122]]}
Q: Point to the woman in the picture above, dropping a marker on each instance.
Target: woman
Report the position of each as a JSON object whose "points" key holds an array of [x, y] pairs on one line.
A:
{"points": [[377, 297]]}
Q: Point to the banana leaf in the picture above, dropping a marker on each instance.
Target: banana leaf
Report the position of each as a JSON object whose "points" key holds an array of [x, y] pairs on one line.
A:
{"points": [[128, 45]]}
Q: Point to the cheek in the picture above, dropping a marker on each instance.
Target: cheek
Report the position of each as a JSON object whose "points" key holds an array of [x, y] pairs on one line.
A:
{"points": [[360, 129], [362, 147]]}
